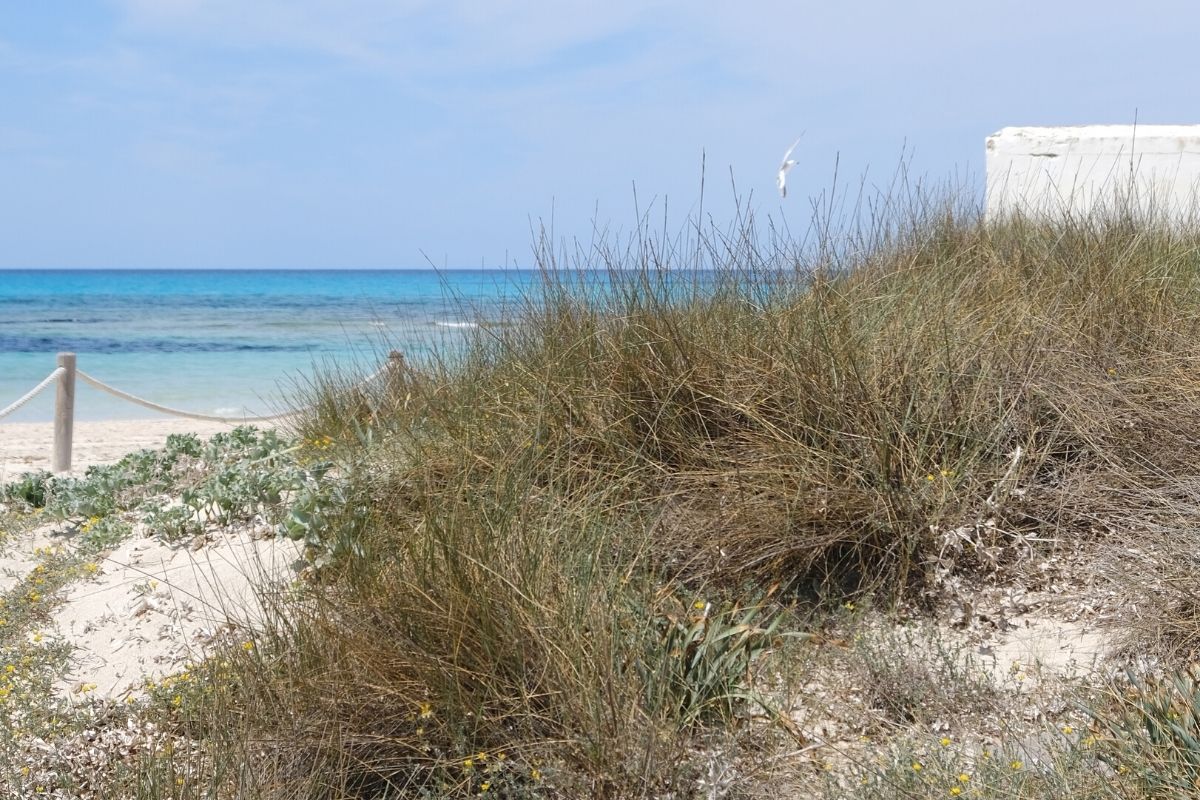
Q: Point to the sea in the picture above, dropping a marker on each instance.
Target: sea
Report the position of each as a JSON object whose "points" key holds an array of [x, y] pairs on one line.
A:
{"points": [[231, 342]]}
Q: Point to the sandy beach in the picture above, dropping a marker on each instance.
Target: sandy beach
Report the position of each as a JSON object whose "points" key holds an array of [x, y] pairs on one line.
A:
{"points": [[26, 446], [148, 605]]}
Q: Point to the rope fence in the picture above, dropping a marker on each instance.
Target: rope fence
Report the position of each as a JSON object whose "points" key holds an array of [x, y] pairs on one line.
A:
{"points": [[175, 412], [16, 406], [64, 408]]}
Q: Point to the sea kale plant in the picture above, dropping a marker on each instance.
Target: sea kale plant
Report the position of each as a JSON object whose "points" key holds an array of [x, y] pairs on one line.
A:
{"points": [[238, 476]]}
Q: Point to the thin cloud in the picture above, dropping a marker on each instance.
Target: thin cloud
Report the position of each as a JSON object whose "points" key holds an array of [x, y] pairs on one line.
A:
{"points": [[428, 37]]}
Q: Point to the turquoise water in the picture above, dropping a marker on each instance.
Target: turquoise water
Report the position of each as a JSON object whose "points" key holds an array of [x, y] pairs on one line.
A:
{"points": [[227, 342]]}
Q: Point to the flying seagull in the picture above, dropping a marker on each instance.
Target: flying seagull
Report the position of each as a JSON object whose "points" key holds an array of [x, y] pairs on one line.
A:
{"points": [[788, 163]]}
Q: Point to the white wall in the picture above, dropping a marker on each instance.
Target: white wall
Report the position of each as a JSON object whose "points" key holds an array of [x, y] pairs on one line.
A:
{"points": [[1094, 168]]}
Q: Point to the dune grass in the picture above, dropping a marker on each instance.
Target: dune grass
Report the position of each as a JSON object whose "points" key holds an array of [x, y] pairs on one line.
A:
{"points": [[571, 560], [641, 453], [586, 530]]}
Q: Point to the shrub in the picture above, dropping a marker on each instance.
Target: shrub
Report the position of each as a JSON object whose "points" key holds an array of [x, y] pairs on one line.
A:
{"points": [[28, 490]]}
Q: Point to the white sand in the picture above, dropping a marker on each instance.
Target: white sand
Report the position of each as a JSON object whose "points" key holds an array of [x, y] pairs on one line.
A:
{"points": [[27, 446], [1042, 646], [151, 606], [18, 555]]}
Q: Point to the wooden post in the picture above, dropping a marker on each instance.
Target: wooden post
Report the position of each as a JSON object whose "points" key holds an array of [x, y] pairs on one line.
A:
{"points": [[396, 362], [394, 380], [64, 414]]}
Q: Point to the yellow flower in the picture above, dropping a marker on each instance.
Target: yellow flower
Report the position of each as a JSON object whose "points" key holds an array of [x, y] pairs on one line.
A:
{"points": [[425, 711], [698, 605], [964, 777], [1122, 769], [916, 765], [247, 646], [1016, 765], [944, 741], [468, 763], [1068, 730], [483, 787], [929, 477], [535, 774], [956, 790]]}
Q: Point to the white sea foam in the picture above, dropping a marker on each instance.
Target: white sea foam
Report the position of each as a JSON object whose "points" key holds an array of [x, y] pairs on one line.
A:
{"points": [[444, 324]]}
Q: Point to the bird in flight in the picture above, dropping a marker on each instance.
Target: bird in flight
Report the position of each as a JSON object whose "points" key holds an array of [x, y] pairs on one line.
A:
{"points": [[788, 163]]}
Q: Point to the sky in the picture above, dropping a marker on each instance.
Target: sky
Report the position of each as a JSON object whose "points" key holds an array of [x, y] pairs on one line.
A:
{"points": [[403, 133]]}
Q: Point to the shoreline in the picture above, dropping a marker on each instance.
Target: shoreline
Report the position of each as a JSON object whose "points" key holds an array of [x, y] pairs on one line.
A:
{"points": [[27, 446]]}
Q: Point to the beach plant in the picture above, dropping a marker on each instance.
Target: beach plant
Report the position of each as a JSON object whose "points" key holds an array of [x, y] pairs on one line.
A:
{"points": [[234, 471], [246, 473], [701, 668], [1151, 731], [233, 476], [174, 523], [28, 490], [328, 513], [940, 766], [96, 494], [103, 533]]}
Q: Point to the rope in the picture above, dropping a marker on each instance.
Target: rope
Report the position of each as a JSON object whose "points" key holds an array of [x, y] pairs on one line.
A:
{"points": [[176, 412], [115, 392], [32, 393]]}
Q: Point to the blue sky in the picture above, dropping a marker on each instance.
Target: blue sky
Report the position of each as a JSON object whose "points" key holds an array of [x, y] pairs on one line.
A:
{"points": [[361, 133]]}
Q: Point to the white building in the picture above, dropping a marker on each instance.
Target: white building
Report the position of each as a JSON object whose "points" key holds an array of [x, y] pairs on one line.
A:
{"points": [[1103, 169]]}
